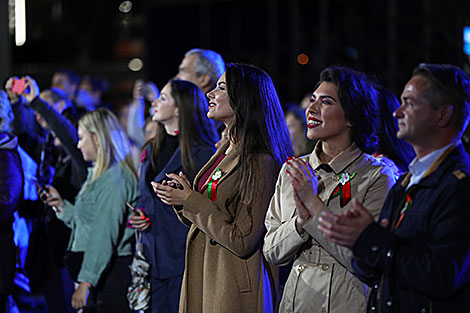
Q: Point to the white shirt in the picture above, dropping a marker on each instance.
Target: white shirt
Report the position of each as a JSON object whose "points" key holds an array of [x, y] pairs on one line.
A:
{"points": [[418, 167]]}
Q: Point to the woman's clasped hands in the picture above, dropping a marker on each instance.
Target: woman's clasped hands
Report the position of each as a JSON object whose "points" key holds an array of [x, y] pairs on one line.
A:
{"points": [[305, 184], [174, 191]]}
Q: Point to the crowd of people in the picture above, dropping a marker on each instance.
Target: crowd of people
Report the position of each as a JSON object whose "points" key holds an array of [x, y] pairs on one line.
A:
{"points": [[352, 201]]}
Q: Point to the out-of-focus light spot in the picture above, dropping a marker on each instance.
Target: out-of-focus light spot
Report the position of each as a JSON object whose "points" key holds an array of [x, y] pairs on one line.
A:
{"points": [[302, 59], [135, 64], [466, 40], [125, 6], [20, 22]]}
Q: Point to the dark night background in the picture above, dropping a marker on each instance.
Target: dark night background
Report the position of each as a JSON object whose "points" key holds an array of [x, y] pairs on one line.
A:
{"points": [[385, 38]]}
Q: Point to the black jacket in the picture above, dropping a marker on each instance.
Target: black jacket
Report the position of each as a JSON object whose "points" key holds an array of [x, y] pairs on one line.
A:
{"points": [[423, 265]]}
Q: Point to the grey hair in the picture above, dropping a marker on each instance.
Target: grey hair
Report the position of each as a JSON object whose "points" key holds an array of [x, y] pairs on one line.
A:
{"points": [[208, 62], [6, 113]]}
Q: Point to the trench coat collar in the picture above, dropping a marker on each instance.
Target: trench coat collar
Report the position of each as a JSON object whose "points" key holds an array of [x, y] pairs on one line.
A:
{"points": [[340, 162]]}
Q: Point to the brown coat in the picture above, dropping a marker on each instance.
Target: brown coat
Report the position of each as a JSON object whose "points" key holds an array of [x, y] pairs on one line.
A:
{"points": [[225, 270]]}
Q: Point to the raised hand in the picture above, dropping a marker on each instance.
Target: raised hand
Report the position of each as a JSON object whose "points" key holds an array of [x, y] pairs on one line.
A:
{"points": [[174, 192], [344, 229]]}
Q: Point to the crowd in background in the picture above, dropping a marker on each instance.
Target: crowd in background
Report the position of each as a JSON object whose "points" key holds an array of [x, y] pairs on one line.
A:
{"points": [[348, 201]]}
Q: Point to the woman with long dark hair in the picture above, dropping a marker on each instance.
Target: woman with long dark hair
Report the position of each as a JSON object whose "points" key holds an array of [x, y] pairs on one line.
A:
{"points": [[343, 117], [225, 269], [184, 141]]}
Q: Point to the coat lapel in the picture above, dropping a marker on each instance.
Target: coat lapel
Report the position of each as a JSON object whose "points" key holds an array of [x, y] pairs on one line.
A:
{"points": [[226, 166]]}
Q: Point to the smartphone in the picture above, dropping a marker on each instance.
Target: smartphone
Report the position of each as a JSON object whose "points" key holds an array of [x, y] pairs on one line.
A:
{"points": [[18, 86], [131, 207], [42, 191]]}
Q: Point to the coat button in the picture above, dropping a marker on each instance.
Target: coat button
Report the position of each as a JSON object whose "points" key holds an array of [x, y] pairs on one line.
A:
{"points": [[300, 268], [374, 248], [325, 267], [213, 242], [424, 310]]}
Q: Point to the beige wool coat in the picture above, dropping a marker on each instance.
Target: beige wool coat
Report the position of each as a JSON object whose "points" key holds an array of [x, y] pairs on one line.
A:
{"points": [[225, 270], [321, 278]]}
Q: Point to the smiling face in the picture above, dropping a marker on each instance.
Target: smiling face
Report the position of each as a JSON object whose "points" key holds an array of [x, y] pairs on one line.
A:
{"points": [[417, 119], [325, 116], [219, 103], [87, 143], [165, 110]]}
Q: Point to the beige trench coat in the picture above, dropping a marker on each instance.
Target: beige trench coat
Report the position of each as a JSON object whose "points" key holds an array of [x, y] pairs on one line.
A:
{"points": [[321, 278], [225, 269]]}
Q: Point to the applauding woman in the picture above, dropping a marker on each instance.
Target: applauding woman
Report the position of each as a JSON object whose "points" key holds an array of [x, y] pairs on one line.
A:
{"points": [[343, 117], [185, 141], [100, 248], [225, 269]]}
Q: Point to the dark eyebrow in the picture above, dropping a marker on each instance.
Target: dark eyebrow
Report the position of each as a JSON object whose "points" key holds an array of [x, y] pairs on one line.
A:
{"points": [[325, 97]]}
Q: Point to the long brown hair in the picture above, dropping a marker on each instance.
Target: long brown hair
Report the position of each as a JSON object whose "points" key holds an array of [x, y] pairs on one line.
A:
{"points": [[195, 128], [258, 127]]}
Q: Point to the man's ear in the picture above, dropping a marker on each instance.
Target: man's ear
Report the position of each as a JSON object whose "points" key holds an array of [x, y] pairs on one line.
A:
{"points": [[446, 114]]}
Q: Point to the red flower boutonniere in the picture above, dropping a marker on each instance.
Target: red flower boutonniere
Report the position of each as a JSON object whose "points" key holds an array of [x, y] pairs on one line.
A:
{"points": [[344, 188], [143, 156], [212, 184]]}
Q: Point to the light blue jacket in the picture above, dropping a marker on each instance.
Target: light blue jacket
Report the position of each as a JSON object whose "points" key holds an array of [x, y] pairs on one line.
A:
{"points": [[98, 220]]}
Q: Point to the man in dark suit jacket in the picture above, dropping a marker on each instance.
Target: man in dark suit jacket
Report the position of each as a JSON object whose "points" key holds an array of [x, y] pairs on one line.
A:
{"points": [[417, 258]]}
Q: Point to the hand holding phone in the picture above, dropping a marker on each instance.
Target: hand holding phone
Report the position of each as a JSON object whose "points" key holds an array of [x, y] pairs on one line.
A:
{"points": [[138, 220]]}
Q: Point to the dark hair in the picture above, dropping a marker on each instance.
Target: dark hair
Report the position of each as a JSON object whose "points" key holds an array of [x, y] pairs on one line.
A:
{"points": [[449, 85], [358, 99], [300, 148], [58, 95], [195, 128], [399, 151], [259, 126]]}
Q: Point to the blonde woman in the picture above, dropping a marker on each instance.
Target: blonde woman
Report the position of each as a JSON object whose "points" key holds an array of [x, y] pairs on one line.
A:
{"points": [[100, 248]]}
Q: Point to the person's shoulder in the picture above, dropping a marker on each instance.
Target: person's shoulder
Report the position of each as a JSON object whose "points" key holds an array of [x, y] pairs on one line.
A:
{"points": [[202, 150], [119, 173], [379, 166]]}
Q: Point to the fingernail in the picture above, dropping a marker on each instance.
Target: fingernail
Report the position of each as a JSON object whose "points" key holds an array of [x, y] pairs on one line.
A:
{"points": [[288, 172], [289, 158], [142, 217], [295, 158], [147, 219]]}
